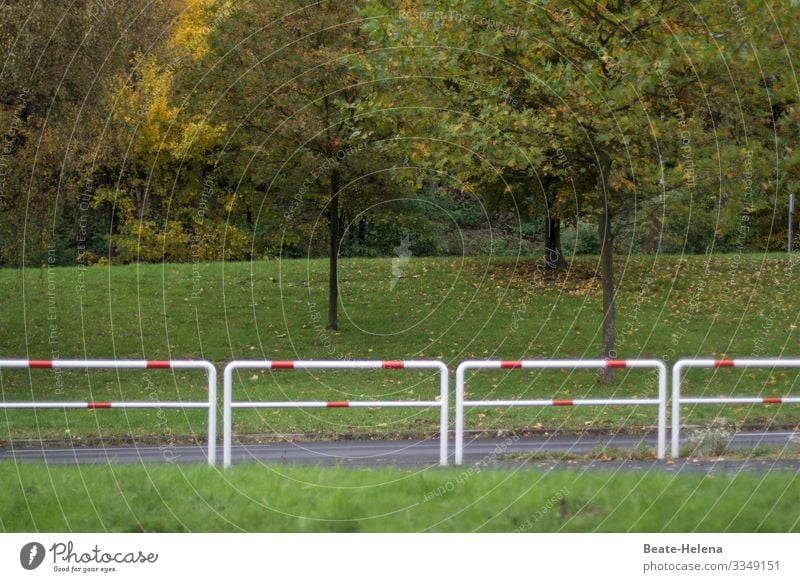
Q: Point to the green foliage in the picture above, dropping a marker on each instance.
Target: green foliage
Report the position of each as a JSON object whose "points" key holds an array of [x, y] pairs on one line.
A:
{"points": [[624, 81], [382, 232], [61, 62], [580, 239], [119, 126]]}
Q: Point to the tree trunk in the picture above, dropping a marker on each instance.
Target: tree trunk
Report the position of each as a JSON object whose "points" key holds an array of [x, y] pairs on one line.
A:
{"points": [[140, 204], [333, 272], [607, 375], [553, 256], [362, 232]]}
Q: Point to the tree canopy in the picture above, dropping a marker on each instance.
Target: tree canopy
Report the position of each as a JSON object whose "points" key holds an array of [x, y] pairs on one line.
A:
{"points": [[187, 130]]}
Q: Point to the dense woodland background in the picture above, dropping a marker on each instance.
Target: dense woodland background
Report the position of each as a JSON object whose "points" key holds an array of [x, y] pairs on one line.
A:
{"points": [[200, 130], [184, 130]]}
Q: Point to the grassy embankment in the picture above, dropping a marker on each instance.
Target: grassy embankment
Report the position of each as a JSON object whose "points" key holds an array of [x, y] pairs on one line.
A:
{"points": [[451, 309]]}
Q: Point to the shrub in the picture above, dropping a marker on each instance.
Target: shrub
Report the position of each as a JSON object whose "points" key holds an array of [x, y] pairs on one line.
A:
{"points": [[580, 240]]}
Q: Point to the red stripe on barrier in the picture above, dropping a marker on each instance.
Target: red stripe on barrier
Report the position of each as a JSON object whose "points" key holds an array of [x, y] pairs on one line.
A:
{"points": [[40, 363], [509, 364], [158, 364], [723, 363], [616, 364], [282, 365], [562, 402], [338, 404], [772, 400], [98, 405], [394, 364]]}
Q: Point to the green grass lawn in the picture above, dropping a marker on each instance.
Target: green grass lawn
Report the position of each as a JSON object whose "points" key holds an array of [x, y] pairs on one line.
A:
{"points": [[450, 309], [288, 498]]}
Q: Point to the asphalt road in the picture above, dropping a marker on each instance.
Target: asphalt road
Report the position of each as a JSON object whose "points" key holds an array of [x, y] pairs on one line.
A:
{"points": [[411, 453]]}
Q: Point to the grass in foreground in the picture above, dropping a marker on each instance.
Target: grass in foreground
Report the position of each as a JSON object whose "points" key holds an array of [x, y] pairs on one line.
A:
{"points": [[446, 308], [303, 499]]}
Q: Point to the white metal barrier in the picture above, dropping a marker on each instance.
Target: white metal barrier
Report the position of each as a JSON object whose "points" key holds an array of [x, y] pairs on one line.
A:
{"points": [[210, 404], [678, 400], [229, 404], [461, 403]]}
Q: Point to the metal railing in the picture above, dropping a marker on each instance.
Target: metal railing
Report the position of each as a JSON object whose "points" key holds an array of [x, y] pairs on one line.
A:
{"points": [[461, 403], [210, 404], [678, 400], [229, 404]]}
